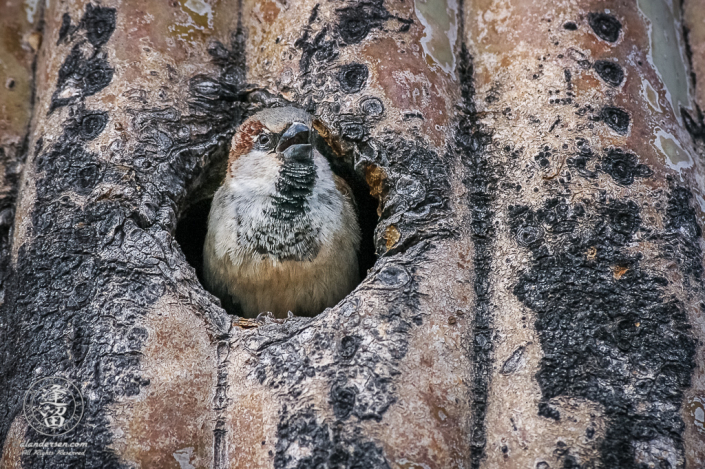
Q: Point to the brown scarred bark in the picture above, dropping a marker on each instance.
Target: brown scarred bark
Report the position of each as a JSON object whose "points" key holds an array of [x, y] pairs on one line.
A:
{"points": [[536, 297]]}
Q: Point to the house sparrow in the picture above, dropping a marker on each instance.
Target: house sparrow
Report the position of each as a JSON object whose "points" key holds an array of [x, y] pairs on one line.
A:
{"points": [[282, 233]]}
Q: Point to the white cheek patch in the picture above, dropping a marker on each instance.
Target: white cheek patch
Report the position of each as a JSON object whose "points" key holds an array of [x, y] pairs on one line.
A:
{"points": [[257, 171]]}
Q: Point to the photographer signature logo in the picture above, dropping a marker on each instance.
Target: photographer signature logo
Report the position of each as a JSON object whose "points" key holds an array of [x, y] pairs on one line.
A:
{"points": [[53, 406]]}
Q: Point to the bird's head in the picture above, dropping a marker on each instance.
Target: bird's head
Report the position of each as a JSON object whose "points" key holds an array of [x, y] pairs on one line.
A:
{"points": [[274, 137]]}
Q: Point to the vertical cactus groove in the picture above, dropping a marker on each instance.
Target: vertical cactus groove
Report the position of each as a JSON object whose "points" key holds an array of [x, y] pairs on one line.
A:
{"points": [[481, 182]]}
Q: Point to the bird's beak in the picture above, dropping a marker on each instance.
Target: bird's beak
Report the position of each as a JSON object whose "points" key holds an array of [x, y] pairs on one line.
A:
{"points": [[295, 142]]}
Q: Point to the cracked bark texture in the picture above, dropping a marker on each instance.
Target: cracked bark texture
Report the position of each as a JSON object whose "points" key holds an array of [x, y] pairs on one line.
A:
{"points": [[537, 298]]}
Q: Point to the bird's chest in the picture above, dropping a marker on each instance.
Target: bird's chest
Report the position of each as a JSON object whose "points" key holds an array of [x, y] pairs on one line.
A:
{"points": [[282, 225]]}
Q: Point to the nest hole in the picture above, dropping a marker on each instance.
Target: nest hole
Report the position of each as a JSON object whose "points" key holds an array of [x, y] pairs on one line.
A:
{"points": [[192, 225]]}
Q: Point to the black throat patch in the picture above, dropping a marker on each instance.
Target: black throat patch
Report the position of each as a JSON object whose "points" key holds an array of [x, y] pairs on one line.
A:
{"points": [[294, 189], [288, 232]]}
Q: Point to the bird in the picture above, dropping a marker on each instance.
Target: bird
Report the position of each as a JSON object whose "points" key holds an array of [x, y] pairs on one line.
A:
{"points": [[283, 235]]}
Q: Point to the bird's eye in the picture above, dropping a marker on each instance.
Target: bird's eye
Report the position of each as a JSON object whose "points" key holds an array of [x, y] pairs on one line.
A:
{"points": [[264, 140]]}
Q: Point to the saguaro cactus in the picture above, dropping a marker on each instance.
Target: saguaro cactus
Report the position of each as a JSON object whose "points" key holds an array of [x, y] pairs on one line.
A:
{"points": [[529, 176]]}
